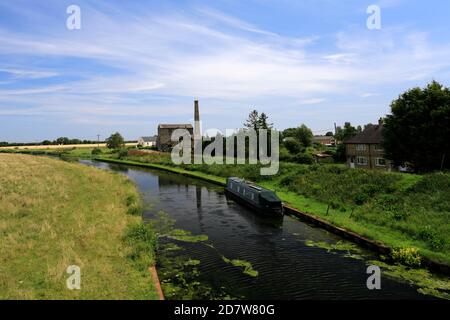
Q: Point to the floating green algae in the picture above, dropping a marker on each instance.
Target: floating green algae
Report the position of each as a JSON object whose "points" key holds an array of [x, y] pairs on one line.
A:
{"points": [[353, 251], [172, 247], [163, 225], [186, 236], [426, 282], [180, 277], [192, 262], [248, 268]]}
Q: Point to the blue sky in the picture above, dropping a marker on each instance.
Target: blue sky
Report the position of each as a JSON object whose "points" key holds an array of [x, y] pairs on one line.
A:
{"points": [[134, 64]]}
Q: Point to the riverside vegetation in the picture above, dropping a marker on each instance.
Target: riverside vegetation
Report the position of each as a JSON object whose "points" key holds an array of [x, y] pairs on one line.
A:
{"points": [[410, 213], [54, 214]]}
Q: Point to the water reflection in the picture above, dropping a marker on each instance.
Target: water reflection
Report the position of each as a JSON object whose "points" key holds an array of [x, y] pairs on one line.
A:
{"points": [[288, 268]]}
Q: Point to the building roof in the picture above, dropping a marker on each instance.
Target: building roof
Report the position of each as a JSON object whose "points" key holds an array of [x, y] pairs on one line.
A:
{"points": [[323, 137], [373, 134], [149, 139], [175, 126], [322, 155]]}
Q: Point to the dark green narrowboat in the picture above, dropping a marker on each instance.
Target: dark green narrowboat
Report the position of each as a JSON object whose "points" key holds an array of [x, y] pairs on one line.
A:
{"points": [[255, 197]]}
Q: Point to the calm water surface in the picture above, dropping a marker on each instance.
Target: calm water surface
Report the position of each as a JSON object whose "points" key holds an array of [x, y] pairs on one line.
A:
{"points": [[288, 268]]}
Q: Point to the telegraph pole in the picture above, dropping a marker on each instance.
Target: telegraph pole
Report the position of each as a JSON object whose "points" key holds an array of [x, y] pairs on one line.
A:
{"points": [[98, 141]]}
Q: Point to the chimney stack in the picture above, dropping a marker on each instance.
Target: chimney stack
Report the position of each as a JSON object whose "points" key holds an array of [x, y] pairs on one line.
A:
{"points": [[197, 132]]}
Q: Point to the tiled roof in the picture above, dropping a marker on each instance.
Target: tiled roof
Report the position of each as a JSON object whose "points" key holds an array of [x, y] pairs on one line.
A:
{"points": [[175, 126], [371, 135], [149, 139]]}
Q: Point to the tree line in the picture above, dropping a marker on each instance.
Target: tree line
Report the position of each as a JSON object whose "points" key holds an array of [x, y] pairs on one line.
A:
{"points": [[416, 134]]}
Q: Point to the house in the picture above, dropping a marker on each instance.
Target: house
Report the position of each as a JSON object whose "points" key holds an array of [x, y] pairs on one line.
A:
{"points": [[164, 141], [365, 151], [165, 131], [147, 141], [328, 141]]}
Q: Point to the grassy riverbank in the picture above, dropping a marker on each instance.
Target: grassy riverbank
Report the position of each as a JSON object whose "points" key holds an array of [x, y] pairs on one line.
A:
{"points": [[399, 210], [54, 214], [403, 211]]}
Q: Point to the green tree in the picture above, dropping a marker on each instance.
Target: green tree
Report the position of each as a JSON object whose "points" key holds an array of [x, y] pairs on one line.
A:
{"points": [[115, 141], [253, 121], [347, 132], [304, 135], [418, 130], [264, 122], [258, 121], [62, 140], [292, 145]]}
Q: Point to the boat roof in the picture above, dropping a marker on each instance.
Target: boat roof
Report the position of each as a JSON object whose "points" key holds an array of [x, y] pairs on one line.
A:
{"points": [[268, 195]]}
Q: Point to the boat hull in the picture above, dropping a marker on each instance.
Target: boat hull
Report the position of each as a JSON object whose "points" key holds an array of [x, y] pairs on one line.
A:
{"points": [[254, 207]]}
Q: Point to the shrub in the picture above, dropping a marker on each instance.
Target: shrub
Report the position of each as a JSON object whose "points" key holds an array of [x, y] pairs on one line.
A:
{"points": [[389, 202], [303, 158], [360, 198], [430, 236], [293, 146], [407, 256], [287, 180], [96, 151], [123, 153], [285, 155], [143, 241], [399, 215], [137, 152], [134, 205]]}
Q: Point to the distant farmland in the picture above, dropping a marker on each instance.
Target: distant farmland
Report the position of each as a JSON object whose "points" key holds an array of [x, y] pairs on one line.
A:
{"points": [[64, 146]]}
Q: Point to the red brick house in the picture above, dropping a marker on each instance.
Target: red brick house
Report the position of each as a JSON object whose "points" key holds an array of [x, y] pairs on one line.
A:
{"points": [[365, 151], [324, 140]]}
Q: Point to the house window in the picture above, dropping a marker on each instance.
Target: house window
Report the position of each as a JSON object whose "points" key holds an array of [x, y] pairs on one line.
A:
{"points": [[378, 147], [380, 162], [360, 147], [362, 161]]}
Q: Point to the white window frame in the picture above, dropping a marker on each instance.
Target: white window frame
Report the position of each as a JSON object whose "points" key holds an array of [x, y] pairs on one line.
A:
{"points": [[364, 163], [361, 147], [378, 164]]}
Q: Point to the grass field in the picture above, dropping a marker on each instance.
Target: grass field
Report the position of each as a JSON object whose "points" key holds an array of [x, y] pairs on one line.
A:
{"points": [[54, 214], [67, 146]]}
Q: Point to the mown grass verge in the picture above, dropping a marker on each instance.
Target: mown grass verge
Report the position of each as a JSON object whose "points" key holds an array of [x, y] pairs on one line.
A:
{"points": [[54, 214]]}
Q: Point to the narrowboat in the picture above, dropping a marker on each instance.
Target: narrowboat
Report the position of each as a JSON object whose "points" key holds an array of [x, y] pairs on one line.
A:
{"points": [[255, 197]]}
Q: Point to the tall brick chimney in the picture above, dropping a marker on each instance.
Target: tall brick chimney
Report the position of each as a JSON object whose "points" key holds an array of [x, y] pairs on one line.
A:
{"points": [[197, 132]]}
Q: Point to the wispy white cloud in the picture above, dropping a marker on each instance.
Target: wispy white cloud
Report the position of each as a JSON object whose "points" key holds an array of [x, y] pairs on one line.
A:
{"points": [[313, 101], [207, 54], [28, 74]]}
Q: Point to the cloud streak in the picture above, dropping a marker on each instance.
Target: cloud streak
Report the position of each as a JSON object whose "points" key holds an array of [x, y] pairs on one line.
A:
{"points": [[135, 60]]}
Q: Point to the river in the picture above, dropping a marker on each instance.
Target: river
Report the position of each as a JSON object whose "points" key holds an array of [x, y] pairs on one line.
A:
{"points": [[288, 268]]}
